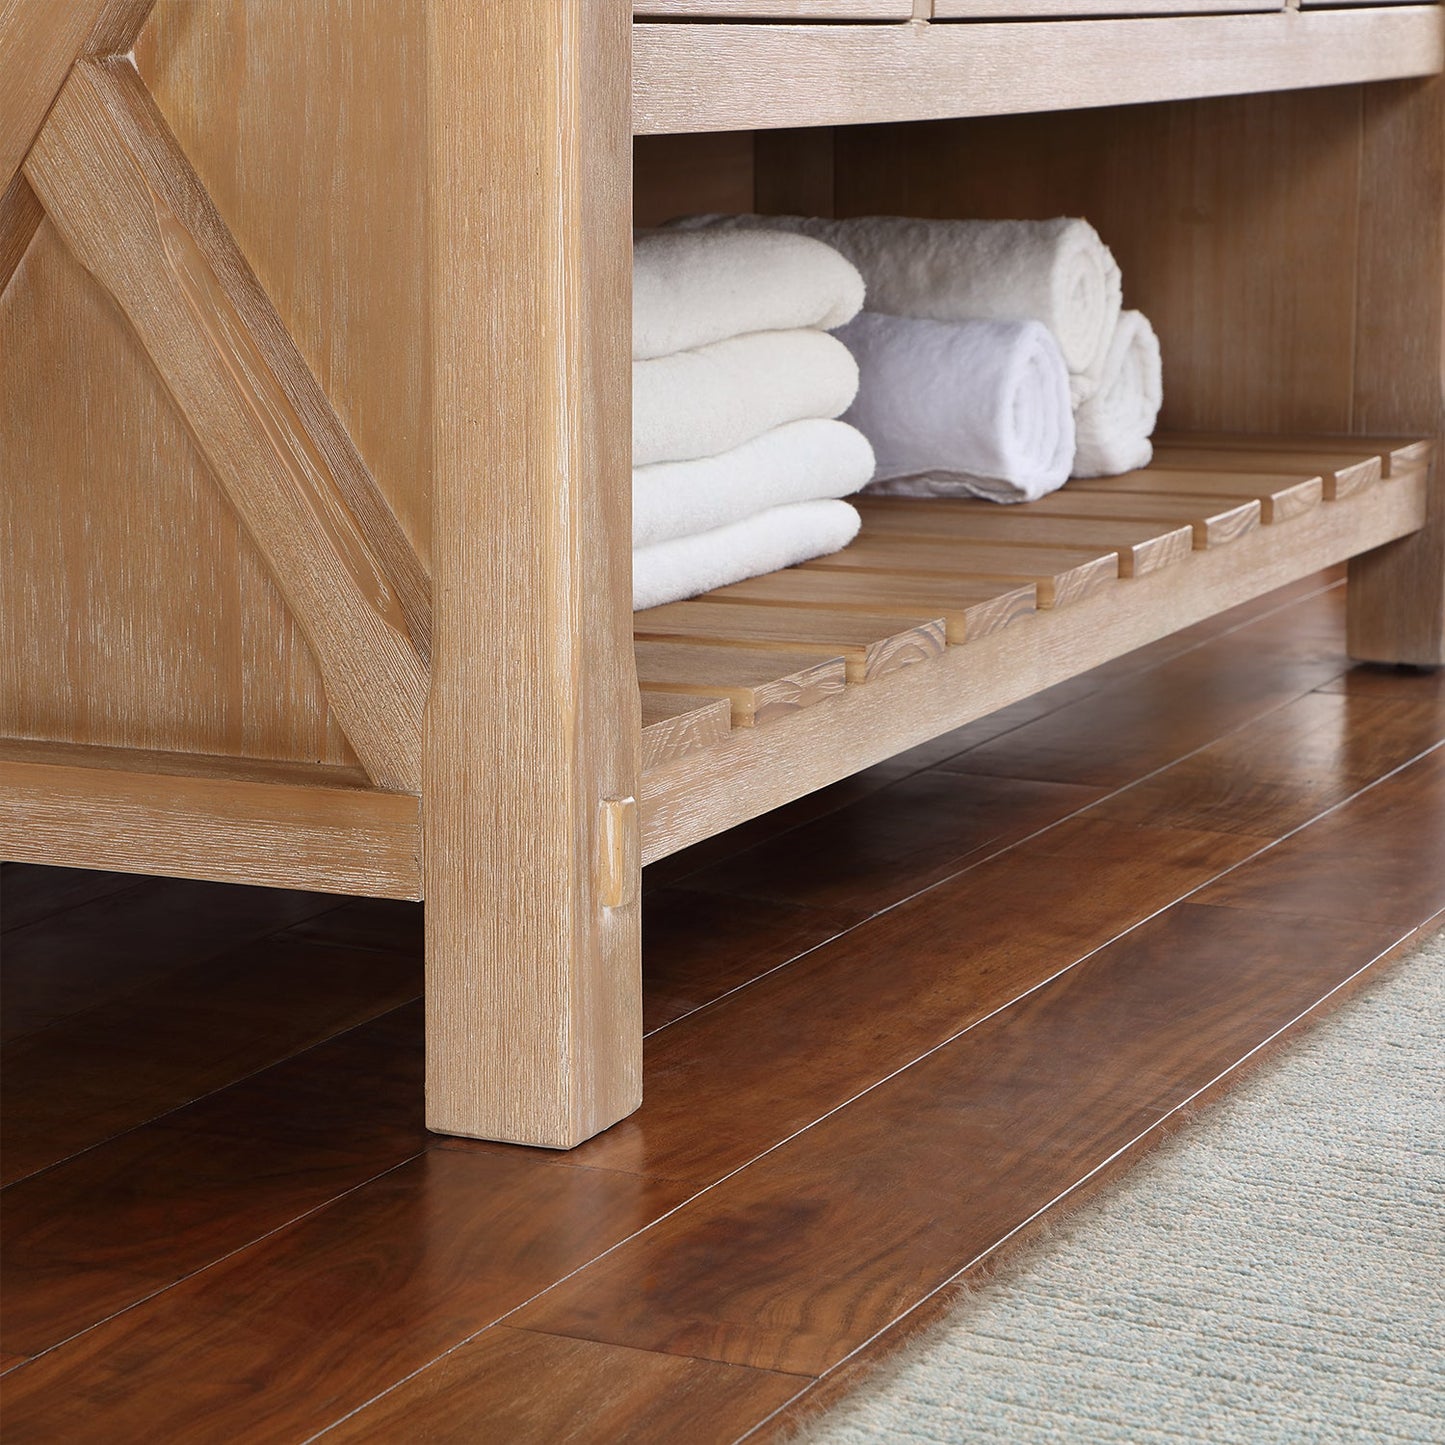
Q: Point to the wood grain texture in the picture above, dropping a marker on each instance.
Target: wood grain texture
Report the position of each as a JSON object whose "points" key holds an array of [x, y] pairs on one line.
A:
{"points": [[740, 77], [804, 1040], [452, 1242], [43, 38], [1281, 495], [761, 685], [682, 803], [774, 9], [798, 1260], [534, 1021], [20, 217], [101, 1072], [277, 826], [675, 723], [1061, 575], [1213, 521], [1284, 768], [969, 608], [1142, 547], [154, 625], [534, 1389], [1380, 859], [1343, 472], [870, 646], [307, 126], [1202, 203], [1397, 595], [122, 193], [1076, 9]]}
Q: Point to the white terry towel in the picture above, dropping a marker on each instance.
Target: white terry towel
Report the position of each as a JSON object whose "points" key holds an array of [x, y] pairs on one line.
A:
{"points": [[975, 408], [803, 461], [1058, 272], [779, 537], [1115, 424], [693, 287], [705, 401]]}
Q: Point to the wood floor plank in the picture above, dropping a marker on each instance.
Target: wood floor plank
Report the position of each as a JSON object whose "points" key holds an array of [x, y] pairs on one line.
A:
{"points": [[1114, 735], [675, 724], [536, 1389], [970, 608], [127, 938], [760, 685], [101, 1072], [802, 1257], [805, 1039], [700, 946], [1285, 768], [1281, 494], [866, 856], [1370, 679], [1380, 858], [334, 1309], [1142, 546], [870, 645], [32, 891], [1060, 575]]}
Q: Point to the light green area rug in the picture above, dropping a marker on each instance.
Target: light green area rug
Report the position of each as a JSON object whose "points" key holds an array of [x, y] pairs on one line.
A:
{"points": [[1274, 1273]]}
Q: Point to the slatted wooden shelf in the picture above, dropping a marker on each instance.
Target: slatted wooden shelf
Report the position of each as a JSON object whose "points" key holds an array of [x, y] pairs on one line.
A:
{"points": [[882, 635]]}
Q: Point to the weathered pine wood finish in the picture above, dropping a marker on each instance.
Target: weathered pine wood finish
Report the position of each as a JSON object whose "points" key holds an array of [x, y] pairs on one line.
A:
{"points": [[314, 463]]}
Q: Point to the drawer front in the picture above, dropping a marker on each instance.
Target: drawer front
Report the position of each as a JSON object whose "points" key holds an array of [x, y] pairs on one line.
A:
{"points": [[1036, 9], [775, 9]]}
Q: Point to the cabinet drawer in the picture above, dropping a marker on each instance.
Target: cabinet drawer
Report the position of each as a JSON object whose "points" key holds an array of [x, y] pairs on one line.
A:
{"points": [[1037, 9], [775, 9]]}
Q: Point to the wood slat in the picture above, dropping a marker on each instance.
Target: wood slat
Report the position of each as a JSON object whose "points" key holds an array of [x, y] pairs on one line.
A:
{"points": [[1396, 453], [750, 773], [759, 684], [674, 724], [969, 608], [1280, 494], [1143, 547], [1214, 520], [1061, 575], [283, 825], [870, 645], [1343, 472], [123, 195]]}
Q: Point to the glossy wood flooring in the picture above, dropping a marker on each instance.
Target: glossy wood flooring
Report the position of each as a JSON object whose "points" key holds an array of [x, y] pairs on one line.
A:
{"points": [[891, 1027]]}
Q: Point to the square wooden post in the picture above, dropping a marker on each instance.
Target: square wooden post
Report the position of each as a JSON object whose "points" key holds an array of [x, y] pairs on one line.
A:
{"points": [[534, 1024], [1397, 592]]}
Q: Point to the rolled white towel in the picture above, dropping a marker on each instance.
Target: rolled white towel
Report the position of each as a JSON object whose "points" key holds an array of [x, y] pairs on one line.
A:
{"points": [[690, 288], [975, 408], [705, 401], [804, 461], [1115, 424], [1058, 272], [779, 537]]}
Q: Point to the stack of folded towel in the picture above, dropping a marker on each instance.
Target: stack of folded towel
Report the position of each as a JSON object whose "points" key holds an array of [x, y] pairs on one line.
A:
{"points": [[995, 358], [737, 459]]}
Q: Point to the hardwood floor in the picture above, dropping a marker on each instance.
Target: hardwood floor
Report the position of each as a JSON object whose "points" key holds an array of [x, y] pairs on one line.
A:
{"points": [[890, 1028]]}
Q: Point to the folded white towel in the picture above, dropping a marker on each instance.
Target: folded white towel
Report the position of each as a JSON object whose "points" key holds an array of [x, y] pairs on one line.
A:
{"points": [[975, 408], [690, 288], [705, 401], [1115, 424], [1058, 272], [779, 537], [803, 461]]}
